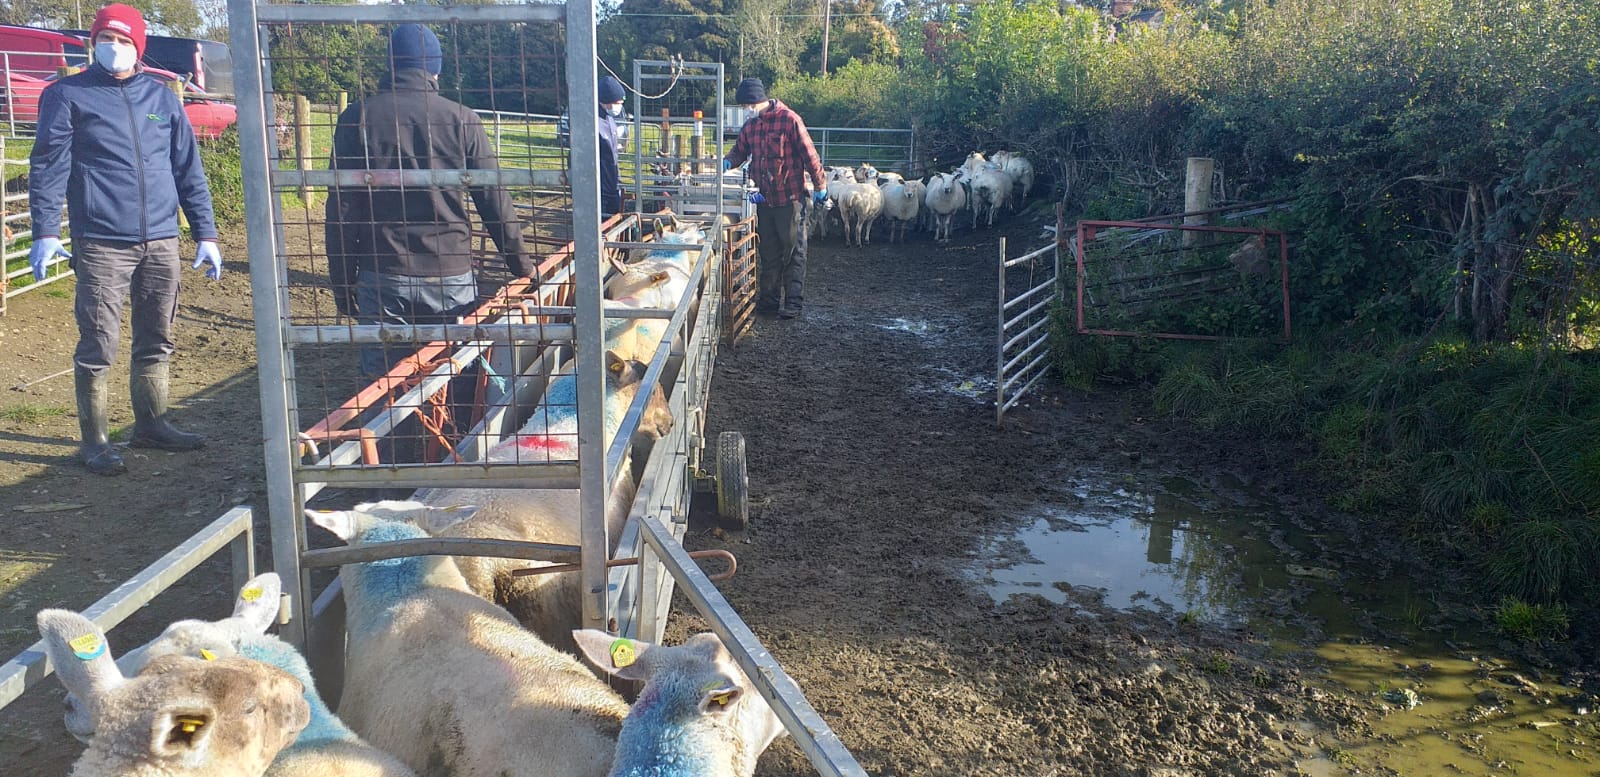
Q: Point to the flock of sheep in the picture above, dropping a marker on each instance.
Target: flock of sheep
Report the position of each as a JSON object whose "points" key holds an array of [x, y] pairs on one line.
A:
{"points": [[861, 195], [453, 666]]}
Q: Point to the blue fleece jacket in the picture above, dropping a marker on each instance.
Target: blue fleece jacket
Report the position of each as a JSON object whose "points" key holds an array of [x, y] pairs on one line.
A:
{"points": [[122, 155]]}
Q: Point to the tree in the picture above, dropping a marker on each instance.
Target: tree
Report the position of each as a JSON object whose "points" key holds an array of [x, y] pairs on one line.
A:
{"points": [[771, 36], [174, 17]]}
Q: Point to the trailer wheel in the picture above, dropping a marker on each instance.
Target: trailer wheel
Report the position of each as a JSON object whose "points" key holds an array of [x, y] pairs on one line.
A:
{"points": [[733, 481]]}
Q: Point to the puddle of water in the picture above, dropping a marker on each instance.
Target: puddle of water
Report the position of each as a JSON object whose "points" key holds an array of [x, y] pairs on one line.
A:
{"points": [[909, 325], [1224, 554]]}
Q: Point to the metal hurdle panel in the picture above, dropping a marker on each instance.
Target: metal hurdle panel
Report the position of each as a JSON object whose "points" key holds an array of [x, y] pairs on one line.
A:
{"points": [[450, 390], [386, 435]]}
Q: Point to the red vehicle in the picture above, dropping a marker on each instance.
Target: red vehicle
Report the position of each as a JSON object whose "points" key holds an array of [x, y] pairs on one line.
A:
{"points": [[210, 116]]}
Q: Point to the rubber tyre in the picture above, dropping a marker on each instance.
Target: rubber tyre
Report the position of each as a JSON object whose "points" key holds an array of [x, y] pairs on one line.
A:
{"points": [[733, 482]]}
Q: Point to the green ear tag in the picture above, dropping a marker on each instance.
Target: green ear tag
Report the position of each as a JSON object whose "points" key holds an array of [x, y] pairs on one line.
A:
{"points": [[622, 653], [88, 647]]}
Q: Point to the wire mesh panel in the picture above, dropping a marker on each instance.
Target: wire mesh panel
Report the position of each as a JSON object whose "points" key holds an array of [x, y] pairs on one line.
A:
{"points": [[1181, 281], [413, 249]]}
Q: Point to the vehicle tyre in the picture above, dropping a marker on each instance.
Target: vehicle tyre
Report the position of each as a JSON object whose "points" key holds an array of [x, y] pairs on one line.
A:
{"points": [[733, 482]]}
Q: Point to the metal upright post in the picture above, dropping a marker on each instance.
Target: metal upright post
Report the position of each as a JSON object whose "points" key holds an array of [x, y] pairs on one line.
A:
{"points": [[1000, 343], [283, 504], [584, 113]]}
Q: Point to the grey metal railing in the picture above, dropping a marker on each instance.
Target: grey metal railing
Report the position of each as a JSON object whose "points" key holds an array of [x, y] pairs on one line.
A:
{"points": [[1022, 342], [234, 530]]}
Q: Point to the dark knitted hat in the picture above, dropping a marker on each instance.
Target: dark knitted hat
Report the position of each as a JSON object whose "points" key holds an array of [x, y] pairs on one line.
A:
{"points": [[611, 90], [415, 46], [750, 92]]}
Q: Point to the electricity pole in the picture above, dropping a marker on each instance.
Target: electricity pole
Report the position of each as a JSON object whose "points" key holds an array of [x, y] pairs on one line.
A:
{"points": [[827, 22]]}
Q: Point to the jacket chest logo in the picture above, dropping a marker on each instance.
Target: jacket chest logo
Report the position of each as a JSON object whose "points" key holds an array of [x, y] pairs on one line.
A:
{"points": [[155, 117]]}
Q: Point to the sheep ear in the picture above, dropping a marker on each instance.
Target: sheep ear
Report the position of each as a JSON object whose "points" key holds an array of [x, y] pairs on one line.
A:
{"points": [[181, 729], [345, 524], [257, 603], [719, 696], [618, 656], [437, 519], [80, 653]]}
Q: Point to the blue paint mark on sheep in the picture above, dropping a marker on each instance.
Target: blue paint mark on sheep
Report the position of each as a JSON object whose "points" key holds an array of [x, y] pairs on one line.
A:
{"points": [[324, 727], [384, 584], [661, 738]]}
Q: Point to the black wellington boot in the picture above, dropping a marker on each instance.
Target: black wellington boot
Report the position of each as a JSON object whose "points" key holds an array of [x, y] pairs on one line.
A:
{"points": [[96, 450], [147, 388]]}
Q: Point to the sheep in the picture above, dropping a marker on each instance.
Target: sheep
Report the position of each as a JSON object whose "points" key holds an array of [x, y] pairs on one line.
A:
{"points": [[1020, 170], [548, 605], [180, 716], [658, 279], [900, 205], [697, 711], [991, 190], [510, 705], [945, 197], [974, 164], [449, 682], [865, 173], [859, 204], [326, 747], [814, 216], [837, 179], [919, 190]]}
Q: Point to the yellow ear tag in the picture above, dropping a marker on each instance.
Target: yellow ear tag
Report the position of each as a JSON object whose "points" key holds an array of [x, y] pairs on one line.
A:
{"points": [[622, 653], [251, 594], [721, 698], [88, 647], [191, 725], [207, 655]]}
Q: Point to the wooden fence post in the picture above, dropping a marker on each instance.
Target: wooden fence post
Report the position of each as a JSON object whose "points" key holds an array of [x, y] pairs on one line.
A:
{"points": [[1197, 194], [302, 141]]}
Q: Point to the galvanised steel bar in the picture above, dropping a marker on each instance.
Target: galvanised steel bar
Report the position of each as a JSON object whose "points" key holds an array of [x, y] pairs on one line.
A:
{"points": [[271, 309], [810, 732], [441, 546], [553, 474], [1000, 342], [481, 333], [285, 180], [32, 665], [584, 118], [423, 14]]}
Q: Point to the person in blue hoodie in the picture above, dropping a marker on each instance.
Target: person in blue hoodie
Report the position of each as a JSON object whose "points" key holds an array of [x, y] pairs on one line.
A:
{"points": [[116, 146]]}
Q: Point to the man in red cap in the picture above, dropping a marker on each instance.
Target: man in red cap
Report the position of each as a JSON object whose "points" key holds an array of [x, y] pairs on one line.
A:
{"points": [[116, 145]]}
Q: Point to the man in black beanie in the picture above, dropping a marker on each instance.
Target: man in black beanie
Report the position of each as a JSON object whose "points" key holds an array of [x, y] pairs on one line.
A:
{"points": [[403, 255], [780, 153]]}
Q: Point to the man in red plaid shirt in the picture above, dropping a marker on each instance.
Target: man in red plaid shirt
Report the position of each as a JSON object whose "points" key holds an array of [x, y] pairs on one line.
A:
{"points": [[779, 149]]}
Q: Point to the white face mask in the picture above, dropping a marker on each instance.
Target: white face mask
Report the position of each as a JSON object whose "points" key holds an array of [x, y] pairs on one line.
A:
{"points": [[117, 58], [615, 110]]}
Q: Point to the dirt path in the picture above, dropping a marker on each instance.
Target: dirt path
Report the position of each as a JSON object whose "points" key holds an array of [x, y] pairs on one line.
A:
{"points": [[874, 486]]}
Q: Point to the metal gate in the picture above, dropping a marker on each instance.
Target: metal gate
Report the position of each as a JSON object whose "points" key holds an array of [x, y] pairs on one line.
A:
{"points": [[1022, 341], [403, 430]]}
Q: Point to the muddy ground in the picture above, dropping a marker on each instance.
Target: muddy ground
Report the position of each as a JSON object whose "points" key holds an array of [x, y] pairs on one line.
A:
{"points": [[874, 485]]}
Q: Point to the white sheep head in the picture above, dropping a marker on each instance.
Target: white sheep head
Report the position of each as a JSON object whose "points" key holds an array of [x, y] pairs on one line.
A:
{"points": [[181, 716], [696, 708]]}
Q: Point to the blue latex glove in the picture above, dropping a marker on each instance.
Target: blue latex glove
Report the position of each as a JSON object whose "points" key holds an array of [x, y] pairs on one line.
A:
{"points": [[43, 250], [819, 196], [726, 165], [756, 198], [211, 257]]}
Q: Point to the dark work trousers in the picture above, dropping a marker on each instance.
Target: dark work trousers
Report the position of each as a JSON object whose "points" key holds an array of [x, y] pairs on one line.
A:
{"points": [[783, 256], [385, 298], [107, 271]]}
